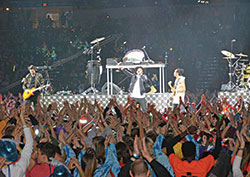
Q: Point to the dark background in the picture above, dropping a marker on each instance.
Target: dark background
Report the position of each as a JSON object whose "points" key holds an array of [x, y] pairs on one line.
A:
{"points": [[191, 33]]}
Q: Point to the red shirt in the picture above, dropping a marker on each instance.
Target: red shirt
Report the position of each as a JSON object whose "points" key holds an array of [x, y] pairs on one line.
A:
{"points": [[43, 170], [197, 168]]}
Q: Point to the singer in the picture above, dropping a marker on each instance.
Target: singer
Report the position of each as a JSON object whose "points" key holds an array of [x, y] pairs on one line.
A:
{"points": [[31, 81], [138, 83]]}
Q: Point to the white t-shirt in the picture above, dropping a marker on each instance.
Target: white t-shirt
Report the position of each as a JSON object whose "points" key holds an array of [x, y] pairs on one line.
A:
{"points": [[136, 93]]}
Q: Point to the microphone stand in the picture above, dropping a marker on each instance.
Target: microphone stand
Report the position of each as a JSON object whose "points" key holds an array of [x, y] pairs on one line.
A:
{"points": [[151, 61], [230, 83]]}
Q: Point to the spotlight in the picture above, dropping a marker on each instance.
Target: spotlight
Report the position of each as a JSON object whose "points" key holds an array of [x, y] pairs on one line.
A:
{"points": [[203, 1], [45, 4], [7, 9]]}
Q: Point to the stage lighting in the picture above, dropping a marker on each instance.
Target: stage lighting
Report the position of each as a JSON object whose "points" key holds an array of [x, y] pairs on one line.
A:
{"points": [[45, 4], [203, 1]]}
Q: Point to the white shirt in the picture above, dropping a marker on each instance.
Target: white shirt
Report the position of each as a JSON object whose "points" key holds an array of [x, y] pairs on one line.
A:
{"points": [[20, 167], [136, 93], [178, 86]]}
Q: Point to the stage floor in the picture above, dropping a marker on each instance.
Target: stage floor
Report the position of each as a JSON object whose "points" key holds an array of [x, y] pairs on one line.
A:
{"points": [[232, 97], [161, 100]]}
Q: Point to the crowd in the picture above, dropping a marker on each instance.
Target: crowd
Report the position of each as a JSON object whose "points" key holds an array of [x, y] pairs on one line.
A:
{"points": [[85, 139]]}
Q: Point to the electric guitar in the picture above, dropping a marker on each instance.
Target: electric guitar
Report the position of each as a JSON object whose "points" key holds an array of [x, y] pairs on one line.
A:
{"points": [[30, 92], [170, 85]]}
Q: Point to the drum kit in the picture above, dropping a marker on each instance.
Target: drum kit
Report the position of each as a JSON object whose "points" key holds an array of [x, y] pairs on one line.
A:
{"points": [[239, 70]]}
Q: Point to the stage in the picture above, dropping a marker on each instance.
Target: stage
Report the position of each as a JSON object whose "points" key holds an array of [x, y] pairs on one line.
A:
{"points": [[161, 100], [233, 96]]}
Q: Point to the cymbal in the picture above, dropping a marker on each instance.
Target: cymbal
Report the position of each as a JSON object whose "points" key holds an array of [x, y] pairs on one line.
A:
{"points": [[227, 54], [241, 55], [97, 40], [243, 59], [228, 58]]}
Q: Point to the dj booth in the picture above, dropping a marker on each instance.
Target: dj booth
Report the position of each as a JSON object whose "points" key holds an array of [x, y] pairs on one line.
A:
{"points": [[146, 65]]}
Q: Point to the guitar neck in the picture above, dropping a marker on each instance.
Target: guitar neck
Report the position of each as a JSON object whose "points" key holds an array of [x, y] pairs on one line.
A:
{"points": [[38, 88], [170, 86]]}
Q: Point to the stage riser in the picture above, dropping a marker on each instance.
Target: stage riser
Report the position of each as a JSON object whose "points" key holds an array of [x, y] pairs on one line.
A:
{"points": [[232, 97], [161, 100]]}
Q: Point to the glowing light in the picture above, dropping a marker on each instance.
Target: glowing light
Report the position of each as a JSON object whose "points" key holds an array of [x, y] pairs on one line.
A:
{"points": [[7, 9], [45, 4], [83, 120], [171, 49]]}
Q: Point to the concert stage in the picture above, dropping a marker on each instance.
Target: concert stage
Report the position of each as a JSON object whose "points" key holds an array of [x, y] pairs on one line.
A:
{"points": [[233, 96], [161, 100]]}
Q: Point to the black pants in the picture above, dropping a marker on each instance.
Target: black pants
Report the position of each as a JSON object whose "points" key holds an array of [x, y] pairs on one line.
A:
{"points": [[142, 103]]}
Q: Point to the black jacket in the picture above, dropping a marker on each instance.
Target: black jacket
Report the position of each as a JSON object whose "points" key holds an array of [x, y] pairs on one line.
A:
{"points": [[39, 81], [144, 81]]}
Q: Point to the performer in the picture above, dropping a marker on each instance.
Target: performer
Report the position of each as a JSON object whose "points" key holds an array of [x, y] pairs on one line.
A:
{"points": [[179, 88], [137, 86], [34, 81]]}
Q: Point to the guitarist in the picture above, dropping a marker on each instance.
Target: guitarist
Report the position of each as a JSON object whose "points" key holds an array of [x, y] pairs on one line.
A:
{"points": [[33, 80], [179, 87]]}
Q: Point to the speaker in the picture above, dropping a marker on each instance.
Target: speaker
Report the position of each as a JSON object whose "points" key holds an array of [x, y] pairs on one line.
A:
{"points": [[116, 89]]}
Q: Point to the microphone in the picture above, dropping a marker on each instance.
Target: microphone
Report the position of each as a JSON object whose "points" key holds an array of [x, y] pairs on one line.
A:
{"points": [[143, 47], [42, 67], [234, 40]]}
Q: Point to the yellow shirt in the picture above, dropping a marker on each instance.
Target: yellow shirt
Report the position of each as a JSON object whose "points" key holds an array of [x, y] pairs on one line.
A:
{"points": [[2, 126]]}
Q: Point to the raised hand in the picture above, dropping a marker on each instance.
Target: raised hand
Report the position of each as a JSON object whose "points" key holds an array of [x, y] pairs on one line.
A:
{"points": [[241, 139], [107, 140], [2, 161], [73, 163], [136, 143], [144, 151]]}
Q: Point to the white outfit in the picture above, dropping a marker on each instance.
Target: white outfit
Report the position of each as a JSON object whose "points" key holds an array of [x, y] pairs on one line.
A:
{"points": [[19, 168], [178, 86], [136, 93]]}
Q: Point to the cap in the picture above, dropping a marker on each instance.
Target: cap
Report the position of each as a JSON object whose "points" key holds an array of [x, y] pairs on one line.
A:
{"points": [[8, 150], [61, 171]]}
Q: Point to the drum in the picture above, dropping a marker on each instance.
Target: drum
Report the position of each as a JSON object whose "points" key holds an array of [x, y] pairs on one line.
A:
{"points": [[94, 72], [134, 56], [238, 70], [246, 73]]}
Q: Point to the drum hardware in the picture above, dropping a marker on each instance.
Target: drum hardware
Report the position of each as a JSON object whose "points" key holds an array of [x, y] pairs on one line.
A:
{"points": [[97, 40], [229, 55], [229, 58], [238, 69], [243, 59], [241, 67], [149, 60], [94, 70], [241, 55]]}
